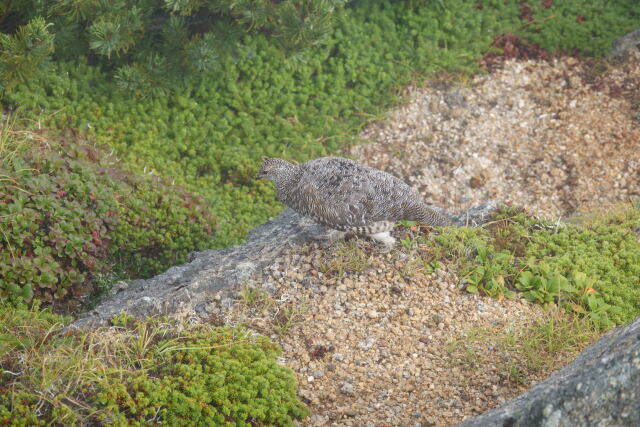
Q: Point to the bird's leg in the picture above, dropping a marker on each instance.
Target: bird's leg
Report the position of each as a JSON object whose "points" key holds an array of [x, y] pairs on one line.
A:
{"points": [[384, 237]]}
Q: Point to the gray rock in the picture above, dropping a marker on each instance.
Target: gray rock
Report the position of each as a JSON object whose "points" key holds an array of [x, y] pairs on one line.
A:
{"points": [[347, 388], [206, 274], [455, 99], [337, 356], [367, 343], [318, 420], [118, 287], [600, 388], [209, 273], [475, 216], [627, 45]]}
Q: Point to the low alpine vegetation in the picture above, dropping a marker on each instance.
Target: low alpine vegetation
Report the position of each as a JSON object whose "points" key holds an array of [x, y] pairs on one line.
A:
{"points": [[139, 373], [70, 216], [590, 266], [210, 131]]}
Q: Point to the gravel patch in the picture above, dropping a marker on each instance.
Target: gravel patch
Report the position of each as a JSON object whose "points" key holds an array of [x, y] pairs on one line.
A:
{"points": [[554, 137], [384, 341], [380, 339]]}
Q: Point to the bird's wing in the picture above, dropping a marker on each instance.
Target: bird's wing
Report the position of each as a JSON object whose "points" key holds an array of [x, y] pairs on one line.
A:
{"points": [[346, 198]]}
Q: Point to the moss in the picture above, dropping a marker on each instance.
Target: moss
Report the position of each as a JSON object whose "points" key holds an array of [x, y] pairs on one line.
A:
{"points": [[152, 371]]}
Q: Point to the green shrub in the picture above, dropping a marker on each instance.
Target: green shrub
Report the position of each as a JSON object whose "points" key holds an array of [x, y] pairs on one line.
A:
{"points": [[204, 377], [585, 26], [141, 373], [149, 41], [591, 267], [600, 257], [55, 220], [158, 227], [24, 54], [66, 217], [210, 133]]}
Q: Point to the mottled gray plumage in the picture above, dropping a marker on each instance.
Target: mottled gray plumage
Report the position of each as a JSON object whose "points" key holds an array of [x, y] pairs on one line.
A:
{"points": [[348, 196]]}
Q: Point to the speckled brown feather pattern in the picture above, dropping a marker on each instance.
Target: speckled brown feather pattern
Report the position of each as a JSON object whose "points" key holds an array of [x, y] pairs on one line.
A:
{"points": [[347, 196]]}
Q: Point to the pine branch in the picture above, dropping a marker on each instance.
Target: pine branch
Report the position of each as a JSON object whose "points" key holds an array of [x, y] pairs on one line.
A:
{"points": [[26, 53], [303, 23]]}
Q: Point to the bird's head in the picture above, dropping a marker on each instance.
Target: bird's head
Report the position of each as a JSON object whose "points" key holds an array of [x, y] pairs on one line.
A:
{"points": [[273, 168]]}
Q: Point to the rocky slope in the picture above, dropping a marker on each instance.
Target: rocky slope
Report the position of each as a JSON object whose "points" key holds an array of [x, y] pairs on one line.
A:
{"points": [[382, 338]]}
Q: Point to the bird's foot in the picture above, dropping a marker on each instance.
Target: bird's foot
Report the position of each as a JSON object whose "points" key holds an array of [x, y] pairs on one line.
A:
{"points": [[385, 238]]}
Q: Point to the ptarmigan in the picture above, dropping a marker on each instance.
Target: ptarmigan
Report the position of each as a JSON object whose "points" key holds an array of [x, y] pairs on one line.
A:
{"points": [[347, 196]]}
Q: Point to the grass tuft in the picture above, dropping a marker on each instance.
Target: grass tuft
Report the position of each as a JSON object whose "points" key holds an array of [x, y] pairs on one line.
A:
{"points": [[541, 346], [346, 258]]}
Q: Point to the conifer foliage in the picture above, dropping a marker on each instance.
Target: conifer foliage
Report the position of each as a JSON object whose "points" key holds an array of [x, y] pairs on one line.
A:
{"points": [[24, 53], [147, 41]]}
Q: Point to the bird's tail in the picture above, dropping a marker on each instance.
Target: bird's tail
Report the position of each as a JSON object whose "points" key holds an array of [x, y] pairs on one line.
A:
{"points": [[423, 213]]}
